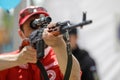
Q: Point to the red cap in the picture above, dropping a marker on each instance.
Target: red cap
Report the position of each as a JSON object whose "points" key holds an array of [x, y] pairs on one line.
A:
{"points": [[26, 13]]}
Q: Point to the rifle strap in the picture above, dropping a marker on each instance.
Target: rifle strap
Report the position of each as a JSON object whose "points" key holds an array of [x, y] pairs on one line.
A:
{"points": [[69, 60], [43, 71]]}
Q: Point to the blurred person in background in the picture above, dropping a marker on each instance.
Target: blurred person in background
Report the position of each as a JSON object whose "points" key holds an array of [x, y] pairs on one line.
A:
{"points": [[88, 66], [19, 64]]}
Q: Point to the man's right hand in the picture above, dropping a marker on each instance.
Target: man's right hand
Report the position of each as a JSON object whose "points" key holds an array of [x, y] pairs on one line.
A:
{"points": [[27, 55]]}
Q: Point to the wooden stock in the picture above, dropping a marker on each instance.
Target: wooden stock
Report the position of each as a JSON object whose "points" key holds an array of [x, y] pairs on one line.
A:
{"points": [[24, 43], [55, 30]]}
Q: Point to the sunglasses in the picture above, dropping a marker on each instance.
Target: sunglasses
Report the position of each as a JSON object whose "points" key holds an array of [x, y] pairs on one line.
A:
{"points": [[32, 10]]}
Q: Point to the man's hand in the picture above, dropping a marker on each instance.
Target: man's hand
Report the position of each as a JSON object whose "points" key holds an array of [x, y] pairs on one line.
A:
{"points": [[27, 55], [51, 39]]}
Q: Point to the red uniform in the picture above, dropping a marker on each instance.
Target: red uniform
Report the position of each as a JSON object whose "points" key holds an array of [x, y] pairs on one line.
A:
{"points": [[31, 71]]}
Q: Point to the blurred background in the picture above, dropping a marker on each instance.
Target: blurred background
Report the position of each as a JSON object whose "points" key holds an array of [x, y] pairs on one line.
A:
{"points": [[101, 38]]}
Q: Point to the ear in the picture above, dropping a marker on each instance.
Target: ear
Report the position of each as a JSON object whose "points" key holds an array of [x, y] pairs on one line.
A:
{"points": [[21, 34]]}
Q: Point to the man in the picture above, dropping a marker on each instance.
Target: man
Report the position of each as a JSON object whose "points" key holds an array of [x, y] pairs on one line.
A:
{"points": [[20, 63], [87, 64]]}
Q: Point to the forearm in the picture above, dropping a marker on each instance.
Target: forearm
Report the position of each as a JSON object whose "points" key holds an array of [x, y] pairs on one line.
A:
{"points": [[26, 55], [75, 72], [61, 54], [8, 61]]}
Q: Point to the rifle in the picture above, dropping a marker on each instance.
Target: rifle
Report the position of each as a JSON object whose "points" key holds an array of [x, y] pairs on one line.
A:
{"points": [[37, 42]]}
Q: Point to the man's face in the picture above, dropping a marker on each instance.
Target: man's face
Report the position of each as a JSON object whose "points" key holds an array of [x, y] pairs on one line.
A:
{"points": [[26, 26]]}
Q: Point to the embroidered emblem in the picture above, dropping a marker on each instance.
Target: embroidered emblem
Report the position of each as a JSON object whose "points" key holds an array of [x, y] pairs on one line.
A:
{"points": [[51, 74]]}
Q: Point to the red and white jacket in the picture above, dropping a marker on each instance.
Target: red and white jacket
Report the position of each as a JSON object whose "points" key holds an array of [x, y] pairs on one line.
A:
{"points": [[31, 71]]}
